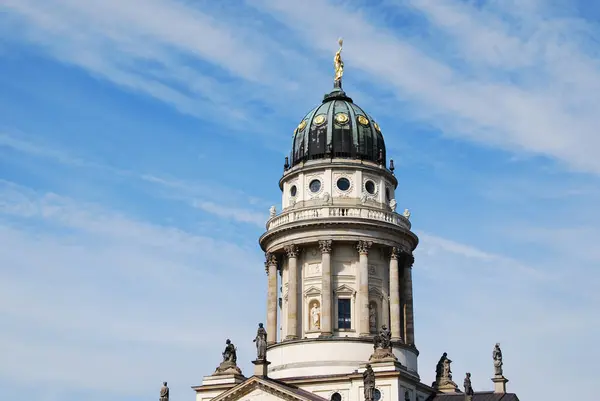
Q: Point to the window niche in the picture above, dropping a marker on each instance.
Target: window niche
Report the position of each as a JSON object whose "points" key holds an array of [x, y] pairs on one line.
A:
{"points": [[344, 305], [374, 319]]}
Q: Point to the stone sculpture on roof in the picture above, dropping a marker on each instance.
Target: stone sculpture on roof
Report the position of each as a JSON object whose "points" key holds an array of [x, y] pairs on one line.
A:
{"points": [[497, 355], [261, 343], [164, 392], [369, 382]]}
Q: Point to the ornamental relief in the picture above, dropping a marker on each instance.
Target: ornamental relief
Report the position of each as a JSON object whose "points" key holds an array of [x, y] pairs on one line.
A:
{"points": [[343, 192], [314, 185], [343, 268], [313, 269]]}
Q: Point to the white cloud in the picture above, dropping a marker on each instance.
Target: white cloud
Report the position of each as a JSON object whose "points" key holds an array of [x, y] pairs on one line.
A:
{"points": [[88, 293], [539, 98], [237, 214], [466, 299]]}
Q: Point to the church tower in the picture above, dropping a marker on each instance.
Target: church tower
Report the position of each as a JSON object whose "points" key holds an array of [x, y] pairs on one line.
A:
{"points": [[339, 321], [338, 256]]}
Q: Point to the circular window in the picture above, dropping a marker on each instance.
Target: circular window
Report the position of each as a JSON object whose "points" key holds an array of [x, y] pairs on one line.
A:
{"points": [[376, 395], [314, 186], [336, 397], [370, 187], [293, 190], [387, 195], [343, 184]]}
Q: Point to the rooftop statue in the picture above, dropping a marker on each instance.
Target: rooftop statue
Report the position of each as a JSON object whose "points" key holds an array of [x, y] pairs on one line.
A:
{"points": [[261, 343], [339, 65], [497, 355], [468, 386], [369, 383], [164, 392]]}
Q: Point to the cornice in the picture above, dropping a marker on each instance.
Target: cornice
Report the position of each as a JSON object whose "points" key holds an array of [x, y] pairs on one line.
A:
{"points": [[366, 339], [332, 223]]}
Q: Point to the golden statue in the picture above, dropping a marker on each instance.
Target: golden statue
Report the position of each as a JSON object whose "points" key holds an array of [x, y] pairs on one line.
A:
{"points": [[339, 64]]}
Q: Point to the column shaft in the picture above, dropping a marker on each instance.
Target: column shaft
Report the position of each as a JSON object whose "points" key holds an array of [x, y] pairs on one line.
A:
{"points": [[292, 304], [395, 311], [271, 265], [363, 287], [326, 292], [408, 301]]}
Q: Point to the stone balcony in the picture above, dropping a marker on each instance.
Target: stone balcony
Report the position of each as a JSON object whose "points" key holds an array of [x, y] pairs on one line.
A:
{"points": [[351, 213]]}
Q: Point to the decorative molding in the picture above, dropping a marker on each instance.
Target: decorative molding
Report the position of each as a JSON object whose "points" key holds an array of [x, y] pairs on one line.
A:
{"points": [[348, 176], [292, 250], [363, 247], [376, 293], [372, 270], [325, 246], [308, 179], [312, 292], [364, 189], [345, 290], [253, 384]]}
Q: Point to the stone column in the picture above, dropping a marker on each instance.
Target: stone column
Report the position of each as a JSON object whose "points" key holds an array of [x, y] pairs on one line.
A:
{"points": [[409, 321], [272, 301], [363, 287], [395, 311], [292, 304], [326, 292]]}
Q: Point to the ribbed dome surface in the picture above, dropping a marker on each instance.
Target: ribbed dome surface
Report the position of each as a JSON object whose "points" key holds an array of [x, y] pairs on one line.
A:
{"points": [[338, 128]]}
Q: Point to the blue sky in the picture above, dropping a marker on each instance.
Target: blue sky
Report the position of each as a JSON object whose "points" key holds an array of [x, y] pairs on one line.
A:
{"points": [[141, 143]]}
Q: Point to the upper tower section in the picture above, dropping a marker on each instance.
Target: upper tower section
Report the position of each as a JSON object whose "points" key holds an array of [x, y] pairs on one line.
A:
{"points": [[337, 128]]}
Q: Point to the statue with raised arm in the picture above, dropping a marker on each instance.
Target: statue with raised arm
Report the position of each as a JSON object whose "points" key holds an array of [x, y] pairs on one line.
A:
{"points": [[261, 343], [339, 65], [164, 392], [497, 355]]}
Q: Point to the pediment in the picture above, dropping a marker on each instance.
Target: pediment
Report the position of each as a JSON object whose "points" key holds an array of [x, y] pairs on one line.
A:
{"points": [[345, 290], [264, 389], [375, 293], [312, 292]]}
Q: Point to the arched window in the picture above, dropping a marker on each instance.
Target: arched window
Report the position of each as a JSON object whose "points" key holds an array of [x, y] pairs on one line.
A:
{"points": [[336, 397]]}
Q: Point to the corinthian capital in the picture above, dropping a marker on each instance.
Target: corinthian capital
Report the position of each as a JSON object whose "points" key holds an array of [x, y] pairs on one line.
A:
{"points": [[325, 246], [408, 262], [363, 247], [395, 252], [292, 250], [270, 258]]}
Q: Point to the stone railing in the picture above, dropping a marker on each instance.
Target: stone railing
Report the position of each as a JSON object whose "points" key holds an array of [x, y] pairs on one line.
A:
{"points": [[337, 212]]}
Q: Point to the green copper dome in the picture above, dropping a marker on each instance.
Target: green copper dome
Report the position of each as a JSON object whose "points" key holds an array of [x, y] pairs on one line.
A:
{"points": [[337, 128]]}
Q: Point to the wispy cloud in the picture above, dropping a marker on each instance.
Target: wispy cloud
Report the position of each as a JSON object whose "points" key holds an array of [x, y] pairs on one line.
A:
{"points": [[71, 299], [201, 195], [501, 76], [241, 215]]}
